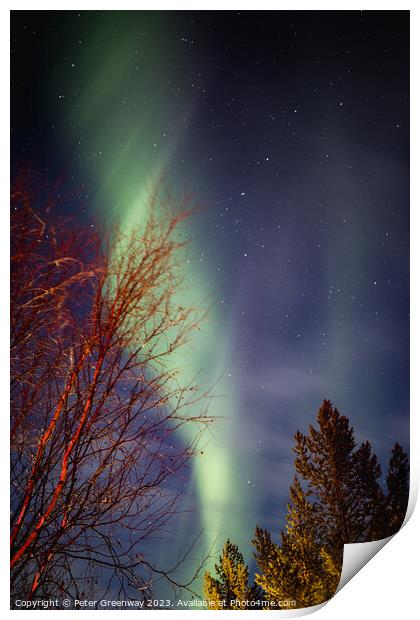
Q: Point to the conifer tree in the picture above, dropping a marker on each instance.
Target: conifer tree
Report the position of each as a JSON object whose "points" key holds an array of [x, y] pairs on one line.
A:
{"points": [[343, 480], [299, 570], [230, 588], [336, 500], [398, 482]]}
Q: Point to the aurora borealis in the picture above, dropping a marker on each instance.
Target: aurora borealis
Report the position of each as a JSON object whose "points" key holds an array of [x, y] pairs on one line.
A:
{"points": [[291, 130]]}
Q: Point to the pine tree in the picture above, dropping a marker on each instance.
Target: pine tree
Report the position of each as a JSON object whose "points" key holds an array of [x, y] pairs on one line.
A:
{"points": [[368, 508], [336, 500], [343, 480], [398, 483], [230, 590], [299, 570]]}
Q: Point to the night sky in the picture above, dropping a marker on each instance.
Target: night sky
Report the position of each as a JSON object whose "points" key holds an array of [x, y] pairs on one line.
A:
{"points": [[291, 129]]}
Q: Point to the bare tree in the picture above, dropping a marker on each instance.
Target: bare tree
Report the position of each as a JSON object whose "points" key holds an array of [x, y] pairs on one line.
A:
{"points": [[95, 401]]}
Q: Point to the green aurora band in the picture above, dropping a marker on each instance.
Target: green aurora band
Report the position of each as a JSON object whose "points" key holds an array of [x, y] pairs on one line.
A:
{"points": [[125, 128]]}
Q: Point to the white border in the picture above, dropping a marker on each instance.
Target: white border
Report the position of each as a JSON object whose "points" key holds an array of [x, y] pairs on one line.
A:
{"points": [[386, 587]]}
